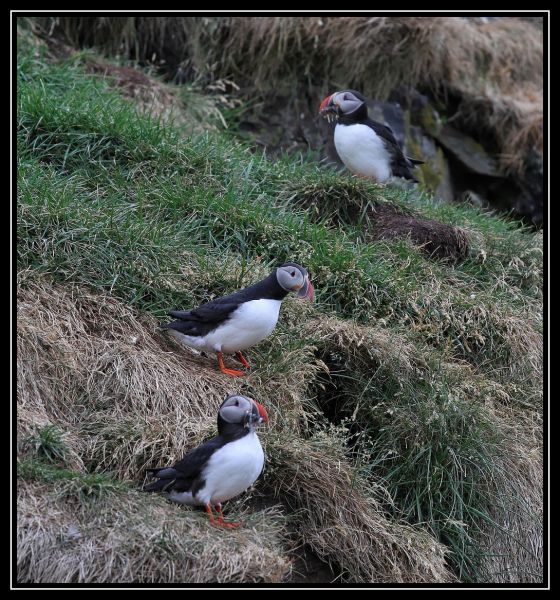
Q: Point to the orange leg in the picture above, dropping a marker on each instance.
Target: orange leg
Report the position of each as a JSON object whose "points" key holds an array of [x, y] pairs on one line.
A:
{"points": [[223, 369], [221, 521], [211, 515], [242, 360]]}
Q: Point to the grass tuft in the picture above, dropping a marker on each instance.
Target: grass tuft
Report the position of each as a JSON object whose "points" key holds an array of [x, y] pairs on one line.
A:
{"points": [[48, 443]]}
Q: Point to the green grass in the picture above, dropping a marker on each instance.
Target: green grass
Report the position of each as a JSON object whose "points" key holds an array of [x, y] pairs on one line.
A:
{"points": [[48, 443], [84, 487], [124, 204], [440, 475], [44, 457], [127, 188]]}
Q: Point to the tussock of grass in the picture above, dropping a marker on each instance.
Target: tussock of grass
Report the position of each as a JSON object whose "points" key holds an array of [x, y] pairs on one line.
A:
{"points": [[436, 434], [343, 522], [428, 368], [82, 487], [343, 200], [129, 537], [48, 442]]}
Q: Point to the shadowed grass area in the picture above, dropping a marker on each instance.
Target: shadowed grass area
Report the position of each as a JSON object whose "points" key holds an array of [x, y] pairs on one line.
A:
{"points": [[427, 369]]}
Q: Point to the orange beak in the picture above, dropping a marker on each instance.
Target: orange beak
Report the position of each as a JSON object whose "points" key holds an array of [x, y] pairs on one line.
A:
{"points": [[262, 412], [325, 103], [307, 290]]}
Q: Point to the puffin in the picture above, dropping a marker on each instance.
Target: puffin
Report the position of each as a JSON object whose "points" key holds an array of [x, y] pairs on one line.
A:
{"points": [[221, 468], [230, 324], [367, 148]]}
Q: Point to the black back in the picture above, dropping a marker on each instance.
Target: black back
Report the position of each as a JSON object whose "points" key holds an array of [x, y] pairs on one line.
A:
{"points": [[200, 321]]}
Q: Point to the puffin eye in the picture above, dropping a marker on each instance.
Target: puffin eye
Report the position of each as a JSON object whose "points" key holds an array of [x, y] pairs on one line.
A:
{"points": [[293, 273]]}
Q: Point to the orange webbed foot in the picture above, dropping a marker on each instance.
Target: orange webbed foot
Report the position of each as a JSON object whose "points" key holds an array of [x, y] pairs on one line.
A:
{"points": [[226, 524], [233, 372], [224, 369], [242, 360]]}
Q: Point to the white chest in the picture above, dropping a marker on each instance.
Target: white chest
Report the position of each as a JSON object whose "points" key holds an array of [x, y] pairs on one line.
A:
{"points": [[232, 469], [249, 324], [362, 151]]}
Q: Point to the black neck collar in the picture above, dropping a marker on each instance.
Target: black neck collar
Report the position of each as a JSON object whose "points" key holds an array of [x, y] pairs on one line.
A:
{"points": [[356, 116], [269, 288], [231, 431]]}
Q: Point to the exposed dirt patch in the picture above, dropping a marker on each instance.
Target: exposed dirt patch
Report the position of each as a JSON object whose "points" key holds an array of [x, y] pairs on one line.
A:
{"points": [[436, 239]]}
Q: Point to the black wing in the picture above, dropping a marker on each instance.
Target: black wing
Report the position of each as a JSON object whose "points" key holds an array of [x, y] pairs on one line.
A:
{"points": [[186, 473], [400, 164], [201, 320], [206, 317], [385, 132], [216, 310]]}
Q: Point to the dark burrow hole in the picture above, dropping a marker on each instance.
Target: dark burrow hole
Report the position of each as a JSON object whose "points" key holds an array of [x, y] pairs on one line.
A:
{"points": [[334, 394], [307, 566]]}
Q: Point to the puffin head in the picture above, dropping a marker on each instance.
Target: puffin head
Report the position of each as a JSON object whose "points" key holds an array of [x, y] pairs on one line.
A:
{"points": [[294, 278], [241, 410], [346, 102]]}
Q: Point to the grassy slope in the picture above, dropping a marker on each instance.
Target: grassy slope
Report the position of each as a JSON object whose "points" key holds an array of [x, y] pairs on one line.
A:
{"points": [[428, 372], [495, 68]]}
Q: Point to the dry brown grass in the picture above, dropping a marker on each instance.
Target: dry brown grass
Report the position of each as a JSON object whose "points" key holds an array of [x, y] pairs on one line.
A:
{"points": [[131, 537], [129, 401], [344, 524], [368, 345], [88, 362]]}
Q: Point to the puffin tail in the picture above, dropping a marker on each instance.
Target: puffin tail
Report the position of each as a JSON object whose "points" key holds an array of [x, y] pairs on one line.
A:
{"points": [[180, 314], [166, 476], [156, 486]]}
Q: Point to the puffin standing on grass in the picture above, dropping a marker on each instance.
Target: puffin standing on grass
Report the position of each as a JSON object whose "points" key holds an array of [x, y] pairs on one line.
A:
{"points": [[367, 148], [222, 467], [230, 324]]}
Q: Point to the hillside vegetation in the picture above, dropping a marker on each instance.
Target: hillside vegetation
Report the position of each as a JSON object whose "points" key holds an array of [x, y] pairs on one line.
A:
{"points": [[465, 94], [405, 440]]}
